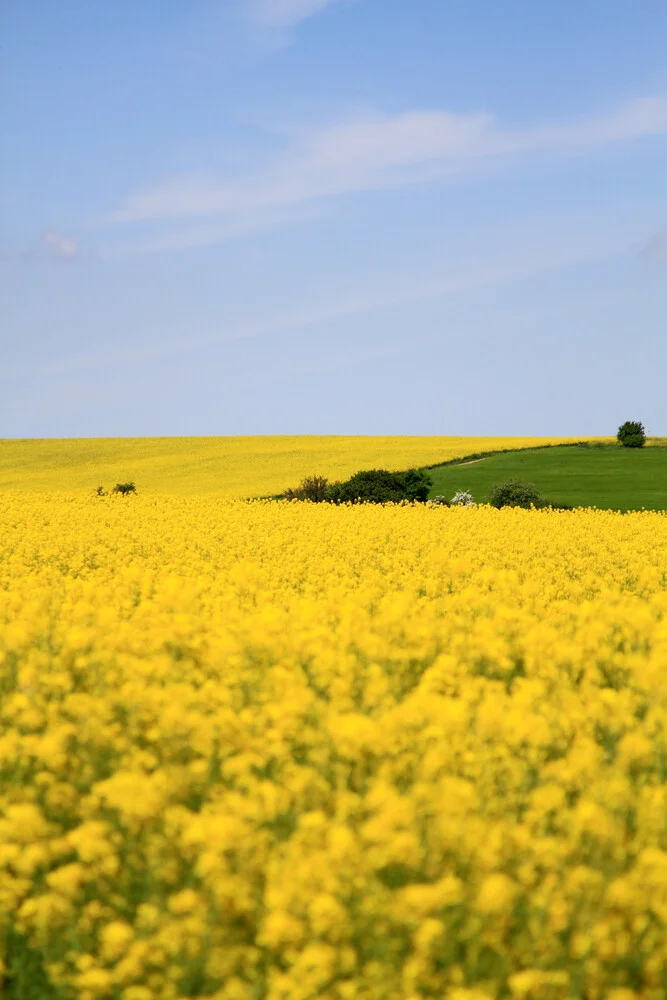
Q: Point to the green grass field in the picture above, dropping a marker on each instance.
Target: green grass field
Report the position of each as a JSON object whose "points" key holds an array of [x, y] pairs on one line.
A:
{"points": [[605, 476]]}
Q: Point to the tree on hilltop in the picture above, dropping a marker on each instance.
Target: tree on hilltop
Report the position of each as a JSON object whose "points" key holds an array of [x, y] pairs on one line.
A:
{"points": [[631, 434]]}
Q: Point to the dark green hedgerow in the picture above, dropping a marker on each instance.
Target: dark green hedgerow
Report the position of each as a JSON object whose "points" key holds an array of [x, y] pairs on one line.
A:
{"points": [[368, 486]]}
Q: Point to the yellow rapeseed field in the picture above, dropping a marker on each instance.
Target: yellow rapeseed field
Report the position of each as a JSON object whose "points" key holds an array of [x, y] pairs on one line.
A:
{"points": [[283, 751], [224, 466]]}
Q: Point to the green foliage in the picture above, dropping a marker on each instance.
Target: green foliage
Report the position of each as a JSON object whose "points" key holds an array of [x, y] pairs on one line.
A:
{"points": [[417, 484], [25, 977], [369, 486], [516, 493], [124, 488], [313, 488], [631, 434], [382, 486], [100, 491]]}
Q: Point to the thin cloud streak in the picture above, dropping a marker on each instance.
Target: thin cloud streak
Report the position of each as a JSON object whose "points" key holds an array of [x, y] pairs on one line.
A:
{"points": [[286, 13], [202, 233], [376, 151]]}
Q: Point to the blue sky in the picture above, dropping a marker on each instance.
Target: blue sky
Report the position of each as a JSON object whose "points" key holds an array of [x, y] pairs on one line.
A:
{"points": [[333, 216]]}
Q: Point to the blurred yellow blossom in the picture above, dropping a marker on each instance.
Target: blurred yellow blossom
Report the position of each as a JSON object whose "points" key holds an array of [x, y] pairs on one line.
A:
{"points": [[287, 750]]}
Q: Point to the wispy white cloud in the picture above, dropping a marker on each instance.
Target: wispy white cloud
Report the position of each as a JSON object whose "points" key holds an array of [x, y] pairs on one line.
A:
{"points": [[212, 231], [286, 13], [655, 249], [54, 244], [375, 150]]}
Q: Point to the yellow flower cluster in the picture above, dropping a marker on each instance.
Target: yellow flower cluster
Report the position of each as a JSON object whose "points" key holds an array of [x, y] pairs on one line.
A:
{"points": [[284, 751], [225, 466]]}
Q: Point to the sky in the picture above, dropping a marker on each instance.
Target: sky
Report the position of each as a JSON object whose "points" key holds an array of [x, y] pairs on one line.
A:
{"points": [[332, 217]]}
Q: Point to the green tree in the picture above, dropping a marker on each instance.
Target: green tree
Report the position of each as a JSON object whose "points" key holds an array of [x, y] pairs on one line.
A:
{"points": [[631, 434]]}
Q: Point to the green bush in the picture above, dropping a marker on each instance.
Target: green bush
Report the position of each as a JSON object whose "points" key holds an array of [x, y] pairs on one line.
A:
{"points": [[381, 486], [369, 486], [631, 434], [312, 488], [417, 484], [516, 493], [124, 488]]}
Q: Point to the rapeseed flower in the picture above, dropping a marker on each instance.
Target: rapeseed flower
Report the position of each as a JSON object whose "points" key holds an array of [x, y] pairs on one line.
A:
{"points": [[282, 750]]}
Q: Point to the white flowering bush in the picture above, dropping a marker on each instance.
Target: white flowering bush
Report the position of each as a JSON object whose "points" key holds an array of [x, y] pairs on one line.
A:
{"points": [[462, 498]]}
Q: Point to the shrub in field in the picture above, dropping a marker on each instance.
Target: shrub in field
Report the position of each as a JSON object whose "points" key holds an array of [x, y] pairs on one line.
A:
{"points": [[516, 493], [312, 488], [463, 498], [439, 501], [124, 488], [382, 486], [100, 491], [631, 434]]}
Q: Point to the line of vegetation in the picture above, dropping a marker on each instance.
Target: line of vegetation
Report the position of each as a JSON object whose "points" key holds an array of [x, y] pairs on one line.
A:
{"points": [[367, 486], [373, 483], [413, 486], [476, 455], [416, 485], [631, 434], [122, 488], [429, 483]]}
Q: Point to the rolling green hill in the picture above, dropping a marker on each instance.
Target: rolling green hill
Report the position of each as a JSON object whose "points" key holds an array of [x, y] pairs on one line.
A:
{"points": [[601, 475]]}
